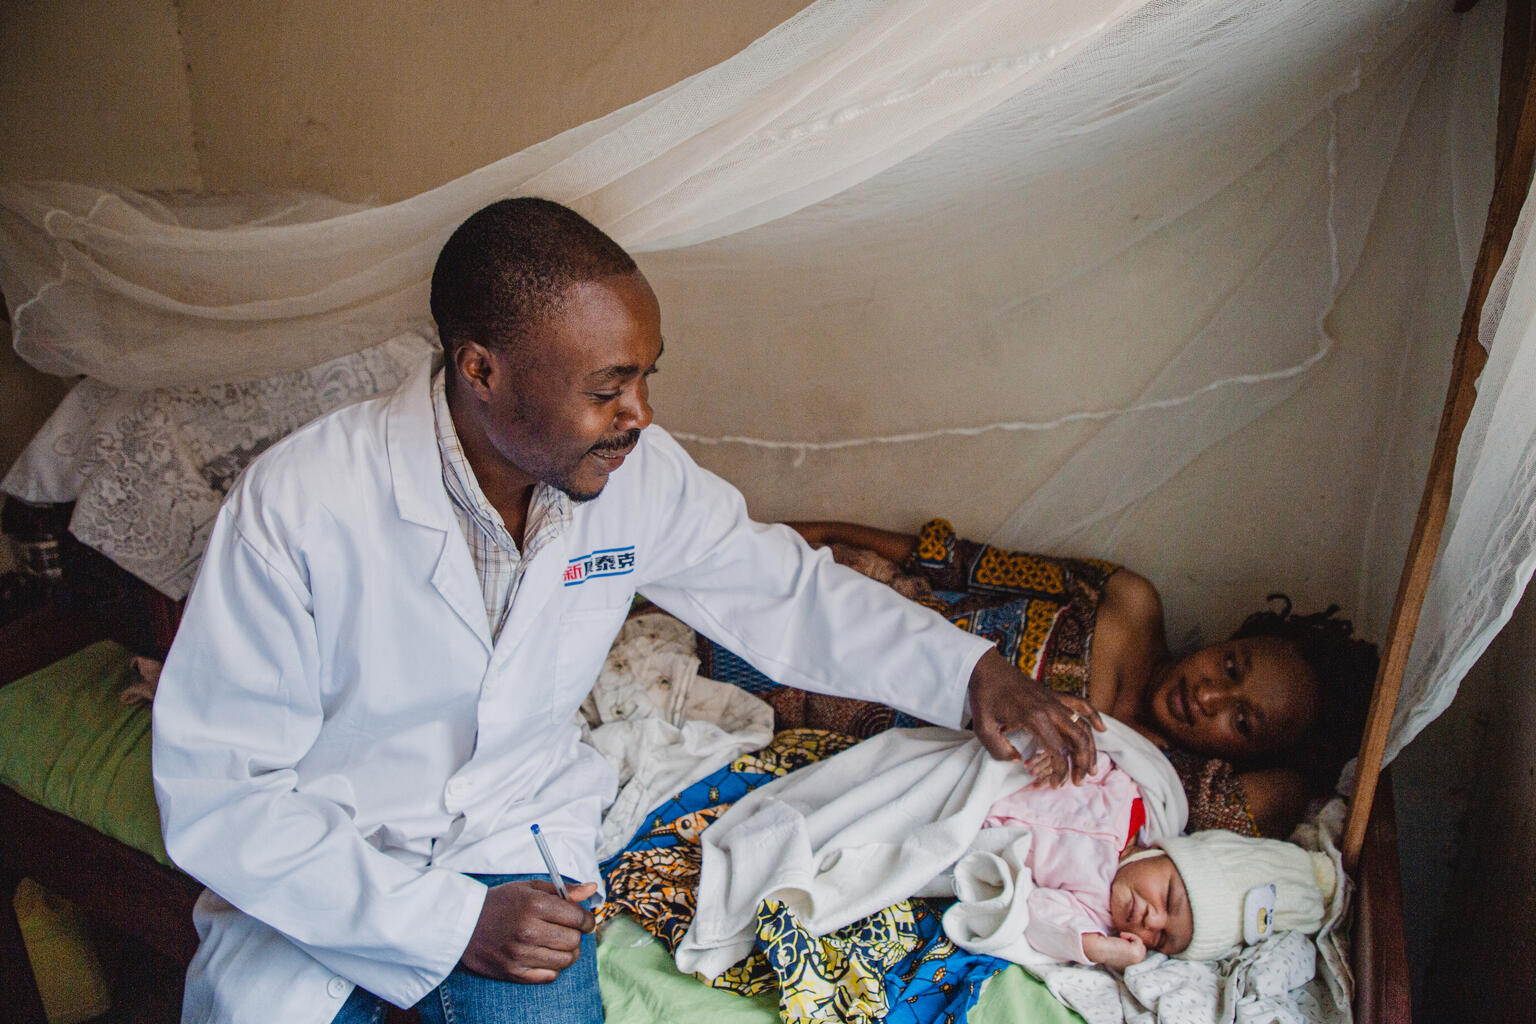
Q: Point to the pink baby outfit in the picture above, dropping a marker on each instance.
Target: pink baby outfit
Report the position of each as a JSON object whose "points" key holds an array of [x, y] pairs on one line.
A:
{"points": [[1078, 833]]}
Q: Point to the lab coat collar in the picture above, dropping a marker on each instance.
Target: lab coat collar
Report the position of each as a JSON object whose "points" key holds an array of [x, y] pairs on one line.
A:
{"points": [[415, 466], [416, 473], [416, 470]]}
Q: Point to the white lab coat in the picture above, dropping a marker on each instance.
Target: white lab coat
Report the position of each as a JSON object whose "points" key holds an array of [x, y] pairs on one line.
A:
{"points": [[337, 741]]}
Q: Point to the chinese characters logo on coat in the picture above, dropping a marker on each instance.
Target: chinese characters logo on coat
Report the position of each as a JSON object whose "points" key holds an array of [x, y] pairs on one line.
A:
{"points": [[604, 562]]}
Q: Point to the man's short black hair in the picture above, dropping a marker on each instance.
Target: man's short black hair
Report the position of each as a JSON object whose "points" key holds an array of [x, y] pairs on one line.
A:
{"points": [[505, 270]]}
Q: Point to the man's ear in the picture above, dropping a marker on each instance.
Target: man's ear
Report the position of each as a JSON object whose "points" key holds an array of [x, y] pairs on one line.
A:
{"points": [[477, 368]]}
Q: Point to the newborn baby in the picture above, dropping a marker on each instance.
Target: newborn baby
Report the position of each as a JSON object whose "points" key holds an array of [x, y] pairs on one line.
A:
{"points": [[1200, 896], [1067, 883]]}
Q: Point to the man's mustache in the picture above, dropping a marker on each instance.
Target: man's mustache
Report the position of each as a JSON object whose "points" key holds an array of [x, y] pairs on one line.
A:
{"points": [[618, 444]]}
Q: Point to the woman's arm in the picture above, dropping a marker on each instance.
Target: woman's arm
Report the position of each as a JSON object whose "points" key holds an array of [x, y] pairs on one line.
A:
{"points": [[1128, 645], [1277, 798], [895, 546]]}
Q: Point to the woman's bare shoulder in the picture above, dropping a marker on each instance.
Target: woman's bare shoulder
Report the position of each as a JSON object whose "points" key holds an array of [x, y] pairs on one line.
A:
{"points": [[1129, 599]]}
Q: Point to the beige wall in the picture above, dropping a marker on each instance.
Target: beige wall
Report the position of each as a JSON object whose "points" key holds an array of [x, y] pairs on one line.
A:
{"points": [[356, 98], [370, 98], [385, 98], [94, 91], [89, 91]]}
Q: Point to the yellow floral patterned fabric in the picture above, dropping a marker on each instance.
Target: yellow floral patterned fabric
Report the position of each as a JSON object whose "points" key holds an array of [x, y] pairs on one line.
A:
{"points": [[1039, 610], [829, 978]]}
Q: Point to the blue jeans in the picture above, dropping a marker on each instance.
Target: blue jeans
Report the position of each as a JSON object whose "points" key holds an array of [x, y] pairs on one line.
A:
{"points": [[468, 998]]}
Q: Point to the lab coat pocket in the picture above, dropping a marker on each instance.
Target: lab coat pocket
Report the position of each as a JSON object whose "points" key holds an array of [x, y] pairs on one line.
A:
{"points": [[584, 639]]}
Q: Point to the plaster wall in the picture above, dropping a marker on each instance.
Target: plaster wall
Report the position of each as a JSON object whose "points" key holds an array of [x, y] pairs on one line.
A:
{"points": [[372, 99], [382, 99], [89, 91], [95, 91]]}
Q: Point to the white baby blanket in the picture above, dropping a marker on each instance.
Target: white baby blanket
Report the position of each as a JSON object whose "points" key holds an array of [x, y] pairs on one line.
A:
{"points": [[846, 837]]}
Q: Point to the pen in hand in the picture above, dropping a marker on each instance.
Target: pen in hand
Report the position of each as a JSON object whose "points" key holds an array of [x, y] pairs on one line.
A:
{"points": [[549, 863]]}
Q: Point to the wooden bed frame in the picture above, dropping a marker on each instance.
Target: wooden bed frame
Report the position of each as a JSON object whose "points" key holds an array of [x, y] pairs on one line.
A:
{"points": [[151, 903]]}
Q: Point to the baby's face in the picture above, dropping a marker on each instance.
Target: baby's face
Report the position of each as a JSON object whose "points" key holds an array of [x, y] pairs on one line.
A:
{"points": [[1147, 899]]}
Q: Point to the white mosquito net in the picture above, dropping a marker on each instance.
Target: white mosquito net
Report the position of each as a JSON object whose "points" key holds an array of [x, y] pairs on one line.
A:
{"points": [[1171, 282]]}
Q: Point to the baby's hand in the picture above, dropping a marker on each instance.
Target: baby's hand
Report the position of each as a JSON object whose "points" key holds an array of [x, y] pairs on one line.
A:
{"points": [[1112, 952]]}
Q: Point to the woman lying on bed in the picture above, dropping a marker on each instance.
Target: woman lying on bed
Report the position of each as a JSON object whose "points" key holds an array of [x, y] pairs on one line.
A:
{"points": [[1255, 725]]}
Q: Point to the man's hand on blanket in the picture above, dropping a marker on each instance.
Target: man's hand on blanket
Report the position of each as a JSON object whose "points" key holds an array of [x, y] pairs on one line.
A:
{"points": [[1004, 699], [1112, 952], [527, 933]]}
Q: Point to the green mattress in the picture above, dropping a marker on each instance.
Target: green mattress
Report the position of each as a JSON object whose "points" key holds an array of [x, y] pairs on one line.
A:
{"points": [[641, 985]]}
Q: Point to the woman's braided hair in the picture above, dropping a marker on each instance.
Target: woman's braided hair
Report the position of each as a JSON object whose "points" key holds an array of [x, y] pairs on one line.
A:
{"points": [[1345, 666]]}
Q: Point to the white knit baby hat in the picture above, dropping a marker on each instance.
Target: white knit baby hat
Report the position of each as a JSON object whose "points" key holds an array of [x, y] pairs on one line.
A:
{"points": [[1221, 868]]}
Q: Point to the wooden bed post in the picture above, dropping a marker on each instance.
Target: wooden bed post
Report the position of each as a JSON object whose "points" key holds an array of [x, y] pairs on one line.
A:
{"points": [[1515, 154]]}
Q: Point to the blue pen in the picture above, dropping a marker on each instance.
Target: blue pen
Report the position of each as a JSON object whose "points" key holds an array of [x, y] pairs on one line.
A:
{"points": [[549, 862]]}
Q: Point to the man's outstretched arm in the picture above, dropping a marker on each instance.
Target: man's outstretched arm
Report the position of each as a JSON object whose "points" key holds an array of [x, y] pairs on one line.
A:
{"points": [[807, 622]]}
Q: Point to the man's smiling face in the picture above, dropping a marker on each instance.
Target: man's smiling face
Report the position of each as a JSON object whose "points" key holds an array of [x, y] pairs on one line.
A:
{"points": [[575, 394]]}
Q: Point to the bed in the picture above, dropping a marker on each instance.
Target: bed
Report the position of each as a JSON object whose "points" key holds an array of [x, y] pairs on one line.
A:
{"points": [[79, 817]]}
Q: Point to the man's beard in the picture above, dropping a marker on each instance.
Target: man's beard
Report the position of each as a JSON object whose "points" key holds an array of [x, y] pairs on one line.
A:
{"points": [[615, 444]]}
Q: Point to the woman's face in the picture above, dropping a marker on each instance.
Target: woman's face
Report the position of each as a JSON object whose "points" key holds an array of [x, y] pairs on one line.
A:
{"points": [[1235, 699]]}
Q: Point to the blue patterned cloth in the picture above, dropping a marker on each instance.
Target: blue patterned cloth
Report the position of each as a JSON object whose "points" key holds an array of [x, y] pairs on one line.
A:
{"points": [[725, 666]]}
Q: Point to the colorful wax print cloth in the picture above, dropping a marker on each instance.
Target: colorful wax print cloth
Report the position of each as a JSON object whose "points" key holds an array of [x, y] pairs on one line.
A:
{"points": [[1038, 610], [895, 966]]}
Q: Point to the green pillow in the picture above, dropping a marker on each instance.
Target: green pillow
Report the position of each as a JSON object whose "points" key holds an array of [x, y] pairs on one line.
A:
{"points": [[73, 747]]}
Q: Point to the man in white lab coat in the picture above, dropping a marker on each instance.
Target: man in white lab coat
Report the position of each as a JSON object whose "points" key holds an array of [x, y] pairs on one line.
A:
{"points": [[402, 605]]}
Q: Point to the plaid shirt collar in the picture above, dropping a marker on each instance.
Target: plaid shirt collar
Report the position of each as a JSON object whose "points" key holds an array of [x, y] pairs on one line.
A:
{"points": [[498, 561]]}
